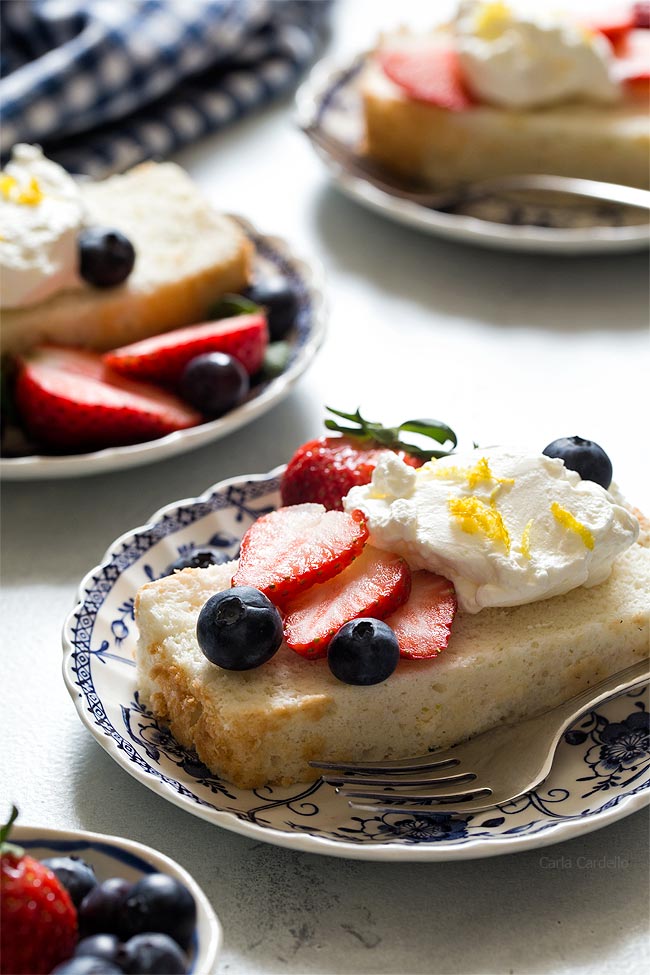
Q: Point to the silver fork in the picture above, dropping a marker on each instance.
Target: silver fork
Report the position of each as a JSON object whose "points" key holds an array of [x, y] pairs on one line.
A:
{"points": [[355, 165], [490, 770]]}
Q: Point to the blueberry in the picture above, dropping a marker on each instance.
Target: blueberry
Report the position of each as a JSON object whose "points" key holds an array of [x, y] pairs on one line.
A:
{"points": [[160, 903], [106, 946], [153, 954], [583, 456], [102, 910], [198, 558], [87, 965], [364, 651], [280, 302], [239, 628], [214, 383], [77, 876], [106, 256]]}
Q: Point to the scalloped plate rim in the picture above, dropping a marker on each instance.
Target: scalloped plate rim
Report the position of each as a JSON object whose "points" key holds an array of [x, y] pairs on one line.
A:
{"points": [[473, 848], [41, 466]]}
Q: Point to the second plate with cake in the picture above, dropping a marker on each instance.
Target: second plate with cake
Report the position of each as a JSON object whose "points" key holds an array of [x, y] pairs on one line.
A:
{"points": [[330, 102], [273, 259]]}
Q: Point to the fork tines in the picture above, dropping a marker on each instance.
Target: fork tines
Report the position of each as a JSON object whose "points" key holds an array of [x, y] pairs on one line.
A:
{"points": [[391, 781], [421, 764]]}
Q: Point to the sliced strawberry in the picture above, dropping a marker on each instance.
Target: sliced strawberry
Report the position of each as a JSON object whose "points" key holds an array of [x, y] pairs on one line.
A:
{"points": [[632, 65], [68, 399], [293, 548], [374, 585], [429, 73], [422, 624], [162, 358], [641, 14], [613, 22]]}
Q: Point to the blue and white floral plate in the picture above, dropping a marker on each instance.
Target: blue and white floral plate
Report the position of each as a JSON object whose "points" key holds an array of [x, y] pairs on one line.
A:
{"points": [[273, 258], [601, 772], [114, 856]]}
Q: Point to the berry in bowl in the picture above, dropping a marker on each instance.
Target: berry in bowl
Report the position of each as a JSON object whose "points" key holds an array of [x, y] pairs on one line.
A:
{"points": [[79, 903]]}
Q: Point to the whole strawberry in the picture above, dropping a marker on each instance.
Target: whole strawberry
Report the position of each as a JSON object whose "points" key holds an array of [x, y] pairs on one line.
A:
{"points": [[324, 470], [38, 920]]}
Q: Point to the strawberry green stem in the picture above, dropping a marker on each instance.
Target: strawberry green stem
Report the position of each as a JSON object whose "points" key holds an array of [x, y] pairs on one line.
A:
{"points": [[370, 433], [5, 846]]}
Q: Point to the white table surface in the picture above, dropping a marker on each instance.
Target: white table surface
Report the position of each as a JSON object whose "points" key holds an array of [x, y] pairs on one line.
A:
{"points": [[503, 347]]}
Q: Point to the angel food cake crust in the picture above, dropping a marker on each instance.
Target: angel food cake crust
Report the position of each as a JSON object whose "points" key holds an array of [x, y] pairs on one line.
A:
{"points": [[501, 665]]}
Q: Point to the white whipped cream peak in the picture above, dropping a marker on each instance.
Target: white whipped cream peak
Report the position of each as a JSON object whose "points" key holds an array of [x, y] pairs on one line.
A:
{"points": [[528, 59], [41, 213], [506, 527]]}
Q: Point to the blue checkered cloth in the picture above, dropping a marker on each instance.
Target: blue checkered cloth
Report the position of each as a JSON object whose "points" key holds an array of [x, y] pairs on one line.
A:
{"points": [[104, 84]]}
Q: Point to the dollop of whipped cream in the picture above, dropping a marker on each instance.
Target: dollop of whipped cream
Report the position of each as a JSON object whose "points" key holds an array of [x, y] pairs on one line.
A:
{"points": [[505, 527], [522, 60], [41, 214]]}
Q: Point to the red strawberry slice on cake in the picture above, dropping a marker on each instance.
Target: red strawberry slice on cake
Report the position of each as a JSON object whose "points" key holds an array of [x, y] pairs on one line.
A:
{"points": [[428, 73], [375, 584], [162, 358], [613, 22], [422, 624], [641, 14], [632, 65], [68, 399], [293, 548]]}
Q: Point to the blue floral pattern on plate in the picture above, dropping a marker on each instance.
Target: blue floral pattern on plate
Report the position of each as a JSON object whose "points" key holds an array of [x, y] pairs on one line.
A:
{"points": [[601, 771]]}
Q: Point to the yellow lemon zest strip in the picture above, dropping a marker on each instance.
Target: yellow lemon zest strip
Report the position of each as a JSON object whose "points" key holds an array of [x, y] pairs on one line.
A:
{"points": [[491, 19], [479, 474], [7, 184], [568, 521], [525, 539], [31, 195], [375, 495], [474, 516]]}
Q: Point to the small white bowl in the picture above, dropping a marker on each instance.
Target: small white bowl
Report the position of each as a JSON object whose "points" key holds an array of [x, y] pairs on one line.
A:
{"points": [[114, 856]]}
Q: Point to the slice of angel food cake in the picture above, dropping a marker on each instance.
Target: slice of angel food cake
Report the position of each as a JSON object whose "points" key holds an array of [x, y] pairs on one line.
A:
{"points": [[444, 599], [98, 263], [500, 89]]}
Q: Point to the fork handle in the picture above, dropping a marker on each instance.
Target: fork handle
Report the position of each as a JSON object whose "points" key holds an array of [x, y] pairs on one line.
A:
{"points": [[624, 680], [593, 189]]}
